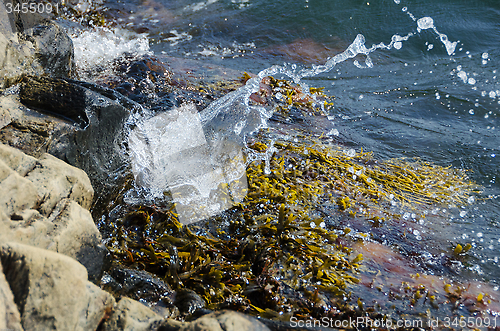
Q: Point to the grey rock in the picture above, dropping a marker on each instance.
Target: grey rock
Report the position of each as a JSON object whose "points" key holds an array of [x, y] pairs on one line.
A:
{"points": [[9, 315], [55, 180], [53, 49], [225, 320], [188, 301], [51, 290], [22, 194], [17, 57], [131, 315], [31, 44], [47, 207]]}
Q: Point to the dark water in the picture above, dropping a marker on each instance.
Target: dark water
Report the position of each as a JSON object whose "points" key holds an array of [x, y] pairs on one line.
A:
{"points": [[418, 100]]}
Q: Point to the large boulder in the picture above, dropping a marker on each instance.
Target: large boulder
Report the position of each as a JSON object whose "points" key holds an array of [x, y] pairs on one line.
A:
{"points": [[51, 290], [47, 207]]}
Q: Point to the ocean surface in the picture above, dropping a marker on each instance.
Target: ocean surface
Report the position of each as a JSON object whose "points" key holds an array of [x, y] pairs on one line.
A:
{"points": [[431, 91]]}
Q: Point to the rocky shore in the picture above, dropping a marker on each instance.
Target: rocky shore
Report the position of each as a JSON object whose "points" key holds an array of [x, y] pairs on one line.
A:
{"points": [[50, 248]]}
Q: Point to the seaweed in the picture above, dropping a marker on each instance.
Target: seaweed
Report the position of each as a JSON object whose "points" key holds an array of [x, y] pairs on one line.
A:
{"points": [[274, 254]]}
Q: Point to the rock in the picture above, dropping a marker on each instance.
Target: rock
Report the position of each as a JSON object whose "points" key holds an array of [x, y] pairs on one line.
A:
{"points": [[51, 180], [17, 160], [55, 179], [47, 207], [31, 44], [22, 194], [131, 315], [16, 57], [9, 315], [138, 285], [5, 118], [53, 49], [100, 149], [188, 301], [51, 290], [32, 132], [83, 6], [97, 146], [54, 96], [216, 321]]}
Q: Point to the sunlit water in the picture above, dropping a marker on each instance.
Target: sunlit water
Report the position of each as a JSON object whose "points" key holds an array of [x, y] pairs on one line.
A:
{"points": [[424, 85]]}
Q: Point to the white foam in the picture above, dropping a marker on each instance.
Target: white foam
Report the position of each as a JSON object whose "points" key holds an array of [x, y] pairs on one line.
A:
{"points": [[102, 45]]}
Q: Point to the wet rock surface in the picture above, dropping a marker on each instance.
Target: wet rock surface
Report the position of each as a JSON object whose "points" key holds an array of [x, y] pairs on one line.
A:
{"points": [[138, 285], [33, 45], [54, 96]]}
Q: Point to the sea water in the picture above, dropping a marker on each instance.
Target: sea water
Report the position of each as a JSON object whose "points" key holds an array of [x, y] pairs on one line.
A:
{"points": [[410, 79]]}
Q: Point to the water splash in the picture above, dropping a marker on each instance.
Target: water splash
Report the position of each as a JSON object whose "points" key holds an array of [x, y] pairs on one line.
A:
{"points": [[216, 136], [98, 47]]}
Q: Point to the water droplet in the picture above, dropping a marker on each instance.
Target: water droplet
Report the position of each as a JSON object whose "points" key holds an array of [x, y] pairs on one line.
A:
{"points": [[425, 23]]}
